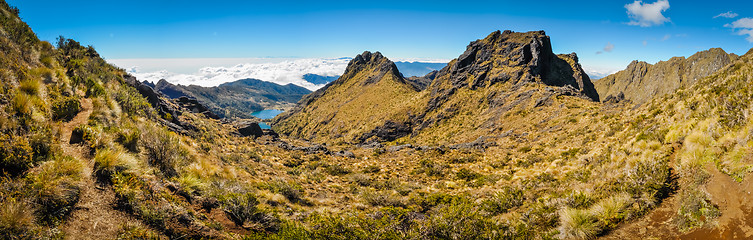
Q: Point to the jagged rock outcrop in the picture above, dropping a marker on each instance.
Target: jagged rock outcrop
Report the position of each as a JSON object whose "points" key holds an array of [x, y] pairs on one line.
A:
{"points": [[194, 106], [640, 81], [169, 111]]}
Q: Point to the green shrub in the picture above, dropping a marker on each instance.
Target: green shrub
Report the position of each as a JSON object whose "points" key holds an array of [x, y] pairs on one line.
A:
{"points": [[425, 202], [15, 155], [93, 88], [65, 108], [504, 200], [456, 221], [132, 102], [292, 191], [431, 168], [382, 198], [467, 175], [129, 138], [695, 210], [336, 169]]}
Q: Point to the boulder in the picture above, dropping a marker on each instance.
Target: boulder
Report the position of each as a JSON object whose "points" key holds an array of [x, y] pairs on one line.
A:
{"points": [[248, 129]]}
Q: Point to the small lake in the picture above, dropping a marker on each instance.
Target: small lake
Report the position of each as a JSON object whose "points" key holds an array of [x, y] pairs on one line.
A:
{"points": [[266, 114]]}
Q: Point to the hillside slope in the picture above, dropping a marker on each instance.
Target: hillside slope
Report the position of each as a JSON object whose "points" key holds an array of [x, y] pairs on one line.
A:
{"points": [[641, 81], [370, 93]]}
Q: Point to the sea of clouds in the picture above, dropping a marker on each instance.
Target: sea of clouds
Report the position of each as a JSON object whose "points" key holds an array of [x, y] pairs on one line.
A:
{"points": [[210, 72], [213, 72]]}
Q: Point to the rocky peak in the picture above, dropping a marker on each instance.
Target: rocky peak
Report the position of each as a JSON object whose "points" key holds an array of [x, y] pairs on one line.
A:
{"points": [[514, 57], [373, 64]]}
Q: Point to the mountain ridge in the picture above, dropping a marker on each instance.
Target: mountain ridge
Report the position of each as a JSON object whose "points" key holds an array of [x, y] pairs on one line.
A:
{"points": [[501, 63], [640, 81], [238, 99]]}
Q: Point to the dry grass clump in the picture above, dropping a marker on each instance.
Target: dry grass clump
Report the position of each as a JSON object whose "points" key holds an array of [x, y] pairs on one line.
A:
{"points": [[55, 188], [589, 223], [163, 149], [108, 162], [16, 219]]}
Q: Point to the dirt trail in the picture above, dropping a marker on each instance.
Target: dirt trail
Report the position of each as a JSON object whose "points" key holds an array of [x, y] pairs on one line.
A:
{"points": [[93, 216], [732, 199]]}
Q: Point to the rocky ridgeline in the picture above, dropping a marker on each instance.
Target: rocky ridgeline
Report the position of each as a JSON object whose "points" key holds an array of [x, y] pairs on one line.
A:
{"points": [[641, 81]]}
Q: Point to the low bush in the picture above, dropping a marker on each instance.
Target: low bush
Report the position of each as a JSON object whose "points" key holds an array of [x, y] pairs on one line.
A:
{"points": [[504, 200], [336, 169], [382, 198], [65, 108], [241, 209], [292, 191], [431, 168], [128, 137], [578, 224], [695, 210], [30, 86], [16, 155]]}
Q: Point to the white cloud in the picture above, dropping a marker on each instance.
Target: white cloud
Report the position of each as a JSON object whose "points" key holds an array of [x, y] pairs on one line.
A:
{"points": [[645, 42], [608, 48], [597, 72], [273, 70], [745, 26], [666, 37], [647, 14], [728, 14]]}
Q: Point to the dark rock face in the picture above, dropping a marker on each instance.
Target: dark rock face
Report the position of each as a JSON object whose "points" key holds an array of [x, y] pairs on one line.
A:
{"points": [[422, 83], [77, 136], [153, 97], [387, 132], [194, 106], [248, 129]]}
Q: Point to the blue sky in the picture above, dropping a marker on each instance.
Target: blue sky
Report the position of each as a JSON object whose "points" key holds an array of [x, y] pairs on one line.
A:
{"points": [[399, 29]]}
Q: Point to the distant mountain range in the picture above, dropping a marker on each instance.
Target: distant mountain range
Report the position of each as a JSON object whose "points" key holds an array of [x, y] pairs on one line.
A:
{"points": [[239, 98], [417, 69]]}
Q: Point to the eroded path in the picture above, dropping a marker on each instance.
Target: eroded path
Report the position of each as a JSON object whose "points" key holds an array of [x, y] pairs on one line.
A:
{"points": [[93, 216], [734, 200]]}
